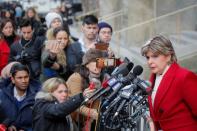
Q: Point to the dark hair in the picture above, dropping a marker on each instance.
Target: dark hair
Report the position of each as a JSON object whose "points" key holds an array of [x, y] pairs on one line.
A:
{"points": [[90, 19], [3, 13], [18, 67], [58, 29], [25, 23], [104, 25], [4, 22]]}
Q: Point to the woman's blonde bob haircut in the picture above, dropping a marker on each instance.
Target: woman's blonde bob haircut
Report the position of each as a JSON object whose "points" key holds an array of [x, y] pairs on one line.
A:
{"points": [[159, 45], [52, 84]]}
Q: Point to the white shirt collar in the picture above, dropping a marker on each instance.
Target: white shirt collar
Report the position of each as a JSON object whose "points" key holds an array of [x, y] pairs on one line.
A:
{"points": [[19, 98], [81, 41]]}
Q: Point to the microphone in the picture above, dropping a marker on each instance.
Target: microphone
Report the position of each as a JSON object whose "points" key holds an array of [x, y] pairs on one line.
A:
{"points": [[138, 97], [123, 69], [125, 93], [136, 71], [112, 82], [119, 108], [126, 96], [145, 86], [139, 112], [106, 86]]}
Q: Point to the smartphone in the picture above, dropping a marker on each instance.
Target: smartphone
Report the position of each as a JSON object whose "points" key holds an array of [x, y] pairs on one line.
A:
{"points": [[101, 46]]}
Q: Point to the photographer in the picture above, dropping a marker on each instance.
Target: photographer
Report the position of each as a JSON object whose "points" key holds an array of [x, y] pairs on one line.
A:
{"points": [[79, 81], [24, 51]]}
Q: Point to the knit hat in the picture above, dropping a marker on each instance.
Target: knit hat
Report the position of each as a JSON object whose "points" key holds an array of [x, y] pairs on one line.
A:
{"points": [[50, 17], [92, 54], [104, 25]]}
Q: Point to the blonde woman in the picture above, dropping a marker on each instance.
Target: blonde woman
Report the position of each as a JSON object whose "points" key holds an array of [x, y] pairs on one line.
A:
{"points": [[54, 56], [173, 105], [52, 106]]}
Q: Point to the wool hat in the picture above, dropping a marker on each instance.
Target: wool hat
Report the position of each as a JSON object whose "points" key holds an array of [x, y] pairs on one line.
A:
{"points": [[92, 54], [104, 25], [50, 17]]}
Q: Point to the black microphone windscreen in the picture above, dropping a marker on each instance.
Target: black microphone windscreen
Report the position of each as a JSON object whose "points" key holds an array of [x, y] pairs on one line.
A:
{"points": [[137, 70], [130, 66], [126, 60], [126, 69], [121, 69]]}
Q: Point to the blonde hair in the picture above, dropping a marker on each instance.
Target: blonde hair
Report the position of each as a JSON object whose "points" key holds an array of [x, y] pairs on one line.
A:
{"points": [[159, 45], [52, 84], [61, 56], [49, 34]]}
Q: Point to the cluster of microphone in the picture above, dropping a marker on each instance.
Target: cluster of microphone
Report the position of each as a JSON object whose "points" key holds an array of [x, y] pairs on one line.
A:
{"points": [[124, 97]]}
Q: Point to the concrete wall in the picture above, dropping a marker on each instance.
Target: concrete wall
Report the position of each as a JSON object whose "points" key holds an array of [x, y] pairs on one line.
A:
{"points": [[135, 24]]}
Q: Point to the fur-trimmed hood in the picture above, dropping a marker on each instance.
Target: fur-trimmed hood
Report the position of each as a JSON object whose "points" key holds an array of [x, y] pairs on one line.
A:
{"points": [[44, 95]]}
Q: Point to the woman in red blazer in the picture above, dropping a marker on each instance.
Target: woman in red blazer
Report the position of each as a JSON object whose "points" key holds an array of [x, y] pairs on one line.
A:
{"points": [[173, 102], [7, 37]]}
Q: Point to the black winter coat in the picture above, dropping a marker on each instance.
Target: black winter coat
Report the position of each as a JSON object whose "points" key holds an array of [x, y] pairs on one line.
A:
{"points": [[51, 116], [74, 55], [19, 117], [27, 55]]}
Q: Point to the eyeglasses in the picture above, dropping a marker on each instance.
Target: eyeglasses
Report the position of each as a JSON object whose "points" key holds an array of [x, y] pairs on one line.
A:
{"points": [[106, 32]]}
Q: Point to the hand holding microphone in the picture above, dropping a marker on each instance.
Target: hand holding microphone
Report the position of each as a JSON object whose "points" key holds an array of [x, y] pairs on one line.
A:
{"points": [[88, 92]]}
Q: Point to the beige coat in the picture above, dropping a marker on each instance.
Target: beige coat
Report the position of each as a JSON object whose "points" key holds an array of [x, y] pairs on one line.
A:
{"points": [[74, 84]]}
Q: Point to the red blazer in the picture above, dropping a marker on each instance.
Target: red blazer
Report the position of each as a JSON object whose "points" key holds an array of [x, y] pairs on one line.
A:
{"points": [[175, 105]]}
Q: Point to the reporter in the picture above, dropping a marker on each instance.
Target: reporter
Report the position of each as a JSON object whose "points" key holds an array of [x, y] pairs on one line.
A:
{"points": [[172, 103], [52, 107]]}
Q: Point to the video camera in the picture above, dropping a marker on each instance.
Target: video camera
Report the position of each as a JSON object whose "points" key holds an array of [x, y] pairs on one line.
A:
{"points": [[107, 62], [23, 57]]}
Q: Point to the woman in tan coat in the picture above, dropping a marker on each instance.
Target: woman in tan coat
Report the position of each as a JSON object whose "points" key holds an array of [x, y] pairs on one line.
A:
{"points": [[80, 80]]}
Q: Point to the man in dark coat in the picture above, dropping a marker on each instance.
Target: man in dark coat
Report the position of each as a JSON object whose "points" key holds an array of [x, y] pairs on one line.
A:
{"points": [[24, 50], [17, 99]]}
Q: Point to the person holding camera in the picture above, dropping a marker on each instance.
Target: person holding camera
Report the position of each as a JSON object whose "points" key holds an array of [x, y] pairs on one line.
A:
{"points": [[86, 74], [53, 106], [104, 35], [54, 56], [24, 51]]}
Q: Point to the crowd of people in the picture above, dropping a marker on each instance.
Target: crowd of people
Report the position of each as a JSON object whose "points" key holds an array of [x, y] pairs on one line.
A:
{"points": [[46, 75]]}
